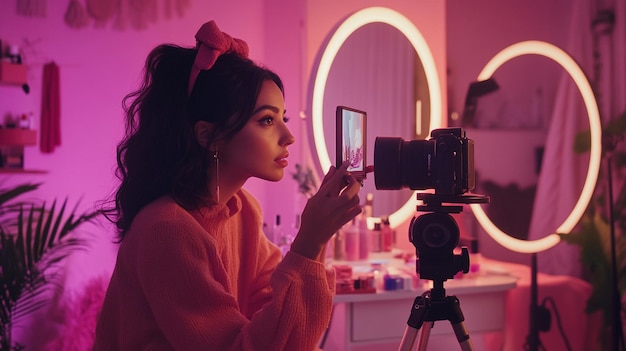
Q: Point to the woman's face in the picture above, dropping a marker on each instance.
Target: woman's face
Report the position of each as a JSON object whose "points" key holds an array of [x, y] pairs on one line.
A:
{"points": [[260, 148]]}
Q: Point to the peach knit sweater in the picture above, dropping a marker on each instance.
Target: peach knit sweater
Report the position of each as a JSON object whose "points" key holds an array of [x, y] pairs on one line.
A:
{"points": [[210, 280]]}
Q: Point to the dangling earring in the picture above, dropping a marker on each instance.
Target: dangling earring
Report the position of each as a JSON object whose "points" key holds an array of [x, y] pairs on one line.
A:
{"points": [[215, 179]]}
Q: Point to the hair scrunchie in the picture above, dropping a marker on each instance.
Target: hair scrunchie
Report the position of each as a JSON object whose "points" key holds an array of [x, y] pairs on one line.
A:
{"points": [[212, 43]]}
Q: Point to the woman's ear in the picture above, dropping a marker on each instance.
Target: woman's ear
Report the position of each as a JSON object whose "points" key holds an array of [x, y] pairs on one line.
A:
{"points": [[202, 132]]}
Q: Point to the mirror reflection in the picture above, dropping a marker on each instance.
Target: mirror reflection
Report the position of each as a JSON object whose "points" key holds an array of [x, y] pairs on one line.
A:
{"points": [[378, 71]]}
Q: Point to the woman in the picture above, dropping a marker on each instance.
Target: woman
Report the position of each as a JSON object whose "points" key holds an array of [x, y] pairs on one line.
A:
{"points": [[194, 270]]}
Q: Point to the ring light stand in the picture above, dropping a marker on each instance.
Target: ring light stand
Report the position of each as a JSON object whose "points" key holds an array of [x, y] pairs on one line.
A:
{"points": [[535, 246]]}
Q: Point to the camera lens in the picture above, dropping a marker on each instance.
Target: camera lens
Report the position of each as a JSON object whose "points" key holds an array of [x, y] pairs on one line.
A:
{"points": [[445, 163], [401, 163]]}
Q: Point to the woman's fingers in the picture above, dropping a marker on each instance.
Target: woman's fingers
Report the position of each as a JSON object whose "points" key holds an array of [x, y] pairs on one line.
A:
{"points": [[338, 201], [335, 180], [329, 175], [335, 204], [352, 188]]}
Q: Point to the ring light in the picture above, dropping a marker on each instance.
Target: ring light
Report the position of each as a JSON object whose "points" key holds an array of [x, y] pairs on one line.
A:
{"points": [[351, 24], [573, 69]]}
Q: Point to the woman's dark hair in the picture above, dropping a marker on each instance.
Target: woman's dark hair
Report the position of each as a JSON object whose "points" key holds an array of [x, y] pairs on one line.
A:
{"points": [[159, 154]]}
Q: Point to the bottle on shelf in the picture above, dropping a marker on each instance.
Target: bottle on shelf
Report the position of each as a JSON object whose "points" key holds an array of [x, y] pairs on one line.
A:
{"points": [[24, 121]]}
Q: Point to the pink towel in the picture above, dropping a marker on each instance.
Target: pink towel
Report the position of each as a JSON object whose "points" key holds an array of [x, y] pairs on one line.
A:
{"points": [[50, 109]]}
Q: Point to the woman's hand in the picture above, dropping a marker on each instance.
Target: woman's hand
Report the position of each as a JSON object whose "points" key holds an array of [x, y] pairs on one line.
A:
{"points": [[335, 204]]}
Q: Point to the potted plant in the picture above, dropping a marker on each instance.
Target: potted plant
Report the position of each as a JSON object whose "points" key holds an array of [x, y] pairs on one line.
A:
{"points": [[34, 237], [593, 234]]}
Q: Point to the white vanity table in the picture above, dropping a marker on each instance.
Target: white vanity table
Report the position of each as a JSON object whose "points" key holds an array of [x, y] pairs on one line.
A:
{"points": [[368, 322]]}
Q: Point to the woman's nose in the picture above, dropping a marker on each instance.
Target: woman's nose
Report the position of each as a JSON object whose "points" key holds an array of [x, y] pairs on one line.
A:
{"points": [[287, 138]]}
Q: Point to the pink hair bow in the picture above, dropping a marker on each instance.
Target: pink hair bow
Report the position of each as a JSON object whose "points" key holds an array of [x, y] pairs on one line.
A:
{"points": [[212, 43]]}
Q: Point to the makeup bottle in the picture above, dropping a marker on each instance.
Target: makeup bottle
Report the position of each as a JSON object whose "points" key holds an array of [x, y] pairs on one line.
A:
{"points": [[352, 241], [386, 235], [277, 231], [364, 237], [375, 238], [339, 246], [368, 208]]}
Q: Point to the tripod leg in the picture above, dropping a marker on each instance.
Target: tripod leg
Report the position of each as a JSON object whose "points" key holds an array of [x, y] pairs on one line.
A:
{"points": [[462, 336], [415, 322], [408, 339], [423, 342]]}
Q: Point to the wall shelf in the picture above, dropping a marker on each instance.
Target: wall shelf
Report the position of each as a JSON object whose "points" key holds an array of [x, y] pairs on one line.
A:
{"points": [[13, 140], [12, 143], [13, 73], [17, 137], [21, 171]]}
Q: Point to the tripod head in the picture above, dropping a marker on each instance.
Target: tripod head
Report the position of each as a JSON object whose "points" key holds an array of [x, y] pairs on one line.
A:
{"points": [[436, 234]]}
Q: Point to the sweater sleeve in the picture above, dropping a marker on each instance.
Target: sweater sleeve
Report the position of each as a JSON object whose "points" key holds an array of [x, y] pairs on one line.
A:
{"points": [[300, 307], [184, 282]]}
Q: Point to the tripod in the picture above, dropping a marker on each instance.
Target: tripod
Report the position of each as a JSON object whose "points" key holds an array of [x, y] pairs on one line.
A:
{"points": [[435, 235], [432, 306]]}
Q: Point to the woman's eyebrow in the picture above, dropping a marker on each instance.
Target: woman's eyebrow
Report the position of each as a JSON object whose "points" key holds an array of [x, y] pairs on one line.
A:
{"points": [[267, 107]]}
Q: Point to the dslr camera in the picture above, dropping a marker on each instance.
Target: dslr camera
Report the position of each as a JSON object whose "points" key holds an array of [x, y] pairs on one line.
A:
{"points": [[445, 163]]}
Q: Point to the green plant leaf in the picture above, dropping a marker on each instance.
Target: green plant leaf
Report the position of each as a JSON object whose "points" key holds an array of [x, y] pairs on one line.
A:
{"points": [[611, 133], [10, 194], [593, 238], [33, 239]]}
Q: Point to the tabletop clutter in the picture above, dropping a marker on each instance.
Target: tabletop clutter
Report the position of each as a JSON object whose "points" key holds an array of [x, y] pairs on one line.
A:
{"points": [[366, 259]]}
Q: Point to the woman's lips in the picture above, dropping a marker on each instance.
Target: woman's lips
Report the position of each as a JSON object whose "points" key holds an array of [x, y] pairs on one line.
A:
{"points": [[282, 160]]}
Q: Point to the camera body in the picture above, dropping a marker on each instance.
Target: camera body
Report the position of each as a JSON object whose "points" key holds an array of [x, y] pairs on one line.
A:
{"points": [[445, 163]]}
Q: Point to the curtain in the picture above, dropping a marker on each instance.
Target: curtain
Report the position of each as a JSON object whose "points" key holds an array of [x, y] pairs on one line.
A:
{"points": [[50, 133], [558, 190]]}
